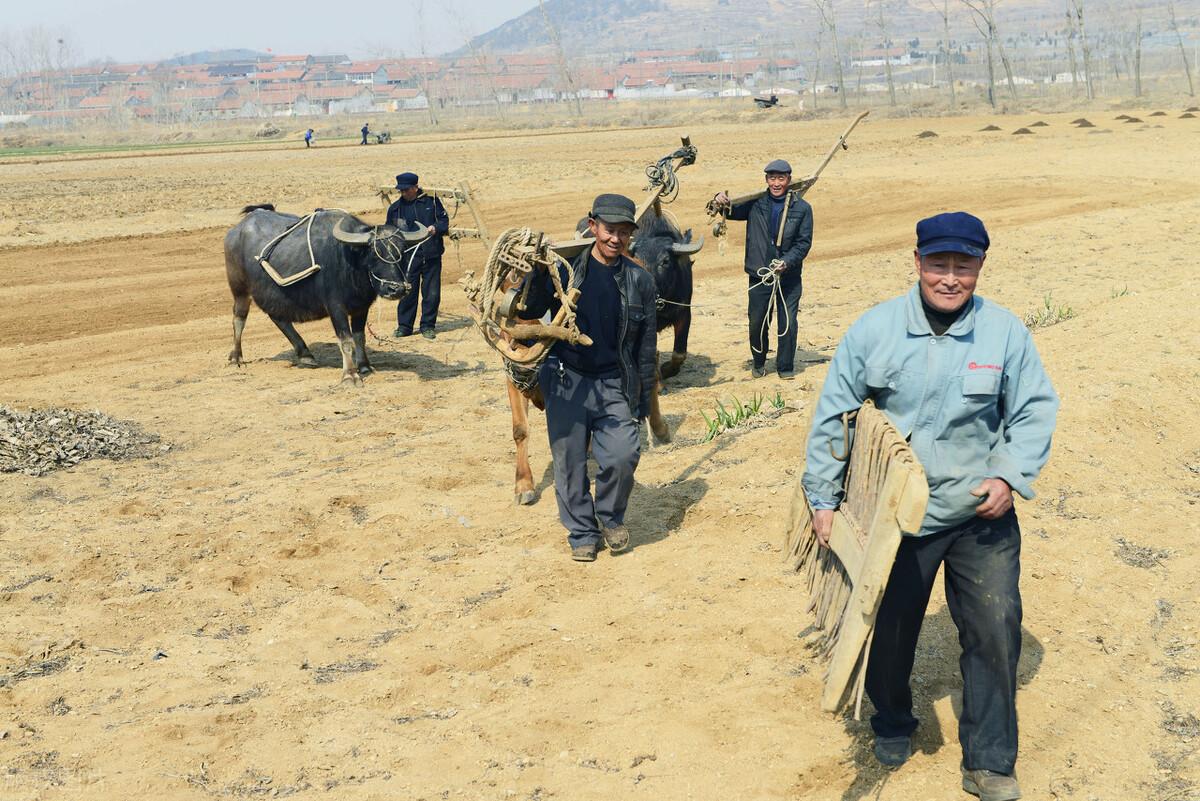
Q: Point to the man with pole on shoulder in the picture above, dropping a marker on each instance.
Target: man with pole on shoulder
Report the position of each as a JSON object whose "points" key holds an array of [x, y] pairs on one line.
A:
{"points": [[779, 230], [960, 377]]}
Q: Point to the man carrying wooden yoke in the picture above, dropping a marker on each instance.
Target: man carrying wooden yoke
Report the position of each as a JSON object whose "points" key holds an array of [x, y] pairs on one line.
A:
{"points": [[961, 378], [779, 229], [595, 395]]}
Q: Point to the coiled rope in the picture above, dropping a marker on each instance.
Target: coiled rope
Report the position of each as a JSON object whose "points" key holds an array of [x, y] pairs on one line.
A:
{"points": [[767, 276]]}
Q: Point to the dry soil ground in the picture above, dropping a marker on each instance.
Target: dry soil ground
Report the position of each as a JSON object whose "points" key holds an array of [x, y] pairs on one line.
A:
{"points": [[326, 592]]}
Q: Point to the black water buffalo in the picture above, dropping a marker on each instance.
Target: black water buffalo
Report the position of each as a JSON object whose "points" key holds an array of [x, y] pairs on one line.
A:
{"points": [[667, 255], [358, 262]]}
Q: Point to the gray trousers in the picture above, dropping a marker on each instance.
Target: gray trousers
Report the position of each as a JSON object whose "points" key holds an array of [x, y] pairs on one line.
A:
{"points": [[584, 412]]}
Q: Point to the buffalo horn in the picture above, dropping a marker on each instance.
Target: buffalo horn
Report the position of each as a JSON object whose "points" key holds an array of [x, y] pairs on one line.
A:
{"points": [[418, 233], [350, 237], [687, 248]]}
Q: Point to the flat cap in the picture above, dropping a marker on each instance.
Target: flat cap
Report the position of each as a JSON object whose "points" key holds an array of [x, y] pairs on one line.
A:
{"points": [[952, 232], [406, 180], [613, 209], [778, 165]]}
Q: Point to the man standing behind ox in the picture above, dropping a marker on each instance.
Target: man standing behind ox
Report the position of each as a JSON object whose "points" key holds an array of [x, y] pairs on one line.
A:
{"points": [[779, 228], [960, 377], [425, 272], [366, 129]]}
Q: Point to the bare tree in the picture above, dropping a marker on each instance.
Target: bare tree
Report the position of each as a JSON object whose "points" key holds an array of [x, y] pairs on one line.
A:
{"points": [[816, 70], [984, 12], [563, 70], [423, 75], [1075, 12], [829, 19], [1174, 25], [1137, 54], [1071, 51], [943, 11], [882, 23]]}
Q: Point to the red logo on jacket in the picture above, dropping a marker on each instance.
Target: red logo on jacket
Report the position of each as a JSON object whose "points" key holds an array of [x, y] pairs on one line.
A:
{"points": [[978, 366]]}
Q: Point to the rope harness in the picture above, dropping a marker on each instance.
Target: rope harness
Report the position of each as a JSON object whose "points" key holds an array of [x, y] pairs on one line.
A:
{"points": [[498, 299], [661, 174]]}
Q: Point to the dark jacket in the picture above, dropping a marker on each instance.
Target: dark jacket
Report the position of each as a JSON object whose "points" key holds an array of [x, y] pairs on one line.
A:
{"points": [[639, 340], [424, 210], [760, 239]]}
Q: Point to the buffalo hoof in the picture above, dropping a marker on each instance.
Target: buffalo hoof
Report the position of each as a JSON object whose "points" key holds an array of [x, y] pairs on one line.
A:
{"points": [[352, 378], [662, 435], [307, 361], [526, 498], [669, 369], [366, 369], [235, 360]]}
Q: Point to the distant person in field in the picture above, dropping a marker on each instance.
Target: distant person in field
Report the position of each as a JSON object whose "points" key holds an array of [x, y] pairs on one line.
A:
{"points": [[366, 129], [961, 377], [425, 271], [779, 230], [308, 137]]}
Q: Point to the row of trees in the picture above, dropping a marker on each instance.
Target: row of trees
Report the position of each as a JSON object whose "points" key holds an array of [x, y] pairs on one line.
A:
{"points": [[1121, 40]]}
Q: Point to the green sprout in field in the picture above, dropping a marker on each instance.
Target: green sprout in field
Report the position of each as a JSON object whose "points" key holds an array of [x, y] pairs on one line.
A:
{"points": [[1048, 315], [725, 418]]}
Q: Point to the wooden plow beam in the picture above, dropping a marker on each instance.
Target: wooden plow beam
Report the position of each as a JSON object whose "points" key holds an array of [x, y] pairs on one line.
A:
{"points": [[460, 196], [886, 495]]}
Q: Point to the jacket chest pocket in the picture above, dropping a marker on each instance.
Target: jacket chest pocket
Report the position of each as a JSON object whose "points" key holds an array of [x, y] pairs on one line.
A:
{"points": [[980, 390]]}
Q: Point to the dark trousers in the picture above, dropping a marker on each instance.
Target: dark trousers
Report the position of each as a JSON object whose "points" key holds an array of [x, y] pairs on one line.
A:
{"points": [[584, 412], [982, 560], [426, 278], [760, 297], [364, 141]]}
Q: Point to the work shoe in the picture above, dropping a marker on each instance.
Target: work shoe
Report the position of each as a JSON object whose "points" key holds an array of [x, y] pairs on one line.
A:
{"points": [[893, 751], [991, 786], [429, 333], [758, 372], [616, 538], [584, 553], [787, 375], [400, 332]]}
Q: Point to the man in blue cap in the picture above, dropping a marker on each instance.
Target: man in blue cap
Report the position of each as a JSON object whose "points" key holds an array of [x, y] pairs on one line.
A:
{"points": [[424, 271], [779, 228], [961, 378], [596, 395]]}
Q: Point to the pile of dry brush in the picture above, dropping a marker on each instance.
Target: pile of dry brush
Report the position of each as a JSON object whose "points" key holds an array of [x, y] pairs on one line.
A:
{"points": [[41, 440]]}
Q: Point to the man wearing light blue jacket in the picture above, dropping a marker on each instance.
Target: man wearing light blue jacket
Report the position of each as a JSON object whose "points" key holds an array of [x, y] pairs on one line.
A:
{"points": [[960, 378]]}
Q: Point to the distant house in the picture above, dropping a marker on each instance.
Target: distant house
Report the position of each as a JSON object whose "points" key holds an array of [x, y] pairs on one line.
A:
{"points": [[344, 99], [897, 56]]}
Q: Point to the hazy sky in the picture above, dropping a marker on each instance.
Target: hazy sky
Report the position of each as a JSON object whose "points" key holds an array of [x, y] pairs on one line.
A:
{"points": [[149, 30]]}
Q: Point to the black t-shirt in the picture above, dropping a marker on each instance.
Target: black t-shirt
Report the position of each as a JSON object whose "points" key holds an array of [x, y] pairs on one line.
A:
{"points": [[599, 316]]}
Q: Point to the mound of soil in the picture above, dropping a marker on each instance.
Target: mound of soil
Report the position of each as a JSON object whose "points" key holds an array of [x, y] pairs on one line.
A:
{"points": [[1187, 115], [42, 440], [1132, 119], [1159, 114], [1082, 123], [926, 135], [991, 128], [1038, 124], [1191, 109], [267, 131], [1022, 131], [1078, 120], [1123, 117]]}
